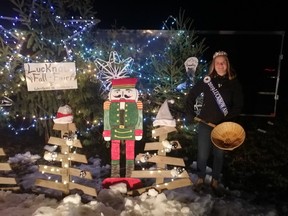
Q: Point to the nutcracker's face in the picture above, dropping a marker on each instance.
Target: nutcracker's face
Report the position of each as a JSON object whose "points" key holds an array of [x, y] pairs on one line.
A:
{"points": [[123, 94]]}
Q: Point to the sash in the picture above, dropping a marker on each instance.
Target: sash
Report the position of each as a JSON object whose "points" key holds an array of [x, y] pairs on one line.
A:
{"points": [[217, 95]]}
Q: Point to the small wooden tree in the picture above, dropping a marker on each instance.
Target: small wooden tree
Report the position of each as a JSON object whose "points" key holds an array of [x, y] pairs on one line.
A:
{"points": [[66, 142], [177, 175]]}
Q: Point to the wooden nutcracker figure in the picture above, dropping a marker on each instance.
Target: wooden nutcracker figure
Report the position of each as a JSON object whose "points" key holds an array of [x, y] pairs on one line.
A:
{"points": [[123, 122]]}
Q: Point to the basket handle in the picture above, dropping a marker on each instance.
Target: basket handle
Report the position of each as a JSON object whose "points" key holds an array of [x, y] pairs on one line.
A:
{"points": [[201, 120]]}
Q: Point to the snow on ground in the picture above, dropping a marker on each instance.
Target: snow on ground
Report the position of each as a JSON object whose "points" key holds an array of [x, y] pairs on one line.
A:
{"points": [[114, 201]]}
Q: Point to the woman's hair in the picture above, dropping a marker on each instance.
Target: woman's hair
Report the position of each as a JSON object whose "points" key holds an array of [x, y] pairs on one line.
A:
{"points": [[230, 71]]}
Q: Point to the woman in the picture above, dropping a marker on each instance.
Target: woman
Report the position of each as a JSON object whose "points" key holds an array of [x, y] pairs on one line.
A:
{"points": [[222, 101]]}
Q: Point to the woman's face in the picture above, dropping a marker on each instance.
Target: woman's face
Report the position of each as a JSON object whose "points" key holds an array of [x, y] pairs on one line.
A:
{"points": [[220, 65]]}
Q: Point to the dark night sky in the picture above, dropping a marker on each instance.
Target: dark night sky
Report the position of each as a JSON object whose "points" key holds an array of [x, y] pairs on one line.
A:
{"points": [[207, 15], [245, 15]]}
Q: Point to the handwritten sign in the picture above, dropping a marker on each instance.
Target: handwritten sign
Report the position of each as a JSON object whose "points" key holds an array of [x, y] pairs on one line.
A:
{"points": [[50, 76]]}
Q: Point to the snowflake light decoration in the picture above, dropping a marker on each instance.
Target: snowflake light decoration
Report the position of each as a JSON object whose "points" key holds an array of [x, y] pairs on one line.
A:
{"points": [[5, 101], [114, 68]]}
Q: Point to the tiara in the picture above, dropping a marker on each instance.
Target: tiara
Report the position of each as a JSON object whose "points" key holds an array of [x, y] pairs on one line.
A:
{"points": [[219, 53]]}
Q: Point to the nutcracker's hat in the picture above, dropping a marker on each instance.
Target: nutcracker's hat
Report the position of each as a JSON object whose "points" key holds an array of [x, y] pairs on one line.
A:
{"points": [[124, 83]]}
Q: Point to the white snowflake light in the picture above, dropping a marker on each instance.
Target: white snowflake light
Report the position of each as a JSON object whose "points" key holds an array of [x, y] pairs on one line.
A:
{"points": [[114, 68]]}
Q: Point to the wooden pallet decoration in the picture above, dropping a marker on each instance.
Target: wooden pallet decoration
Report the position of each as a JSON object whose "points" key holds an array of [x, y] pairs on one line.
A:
{"points": [[178, 176], [65, 157], [163, 186], [6, 180]]}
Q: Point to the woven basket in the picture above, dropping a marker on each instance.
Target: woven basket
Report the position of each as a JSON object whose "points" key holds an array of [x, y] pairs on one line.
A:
{"points": [[228, 135]]}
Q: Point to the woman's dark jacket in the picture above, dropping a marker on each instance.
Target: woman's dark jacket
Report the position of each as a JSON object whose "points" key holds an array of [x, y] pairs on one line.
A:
{"points": [[231, 92]]}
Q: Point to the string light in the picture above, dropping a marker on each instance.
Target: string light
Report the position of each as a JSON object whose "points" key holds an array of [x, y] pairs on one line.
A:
{"points": [[78, 29], [176, 171]]}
